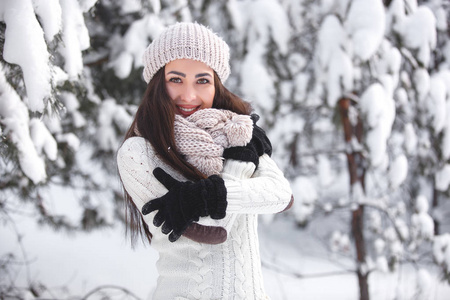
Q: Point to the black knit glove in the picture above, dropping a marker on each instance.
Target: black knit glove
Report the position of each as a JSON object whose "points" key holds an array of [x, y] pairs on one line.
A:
{"points": [[258, 145], [259, 138], [186, 202]]}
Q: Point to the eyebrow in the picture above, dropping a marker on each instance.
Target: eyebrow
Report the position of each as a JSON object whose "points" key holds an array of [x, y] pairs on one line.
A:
{"points": [[184, 75], [202, 75], [177, 73]]}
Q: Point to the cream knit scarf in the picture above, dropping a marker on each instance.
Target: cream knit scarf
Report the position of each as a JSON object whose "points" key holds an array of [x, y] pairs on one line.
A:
{"points": [[204, 135]]}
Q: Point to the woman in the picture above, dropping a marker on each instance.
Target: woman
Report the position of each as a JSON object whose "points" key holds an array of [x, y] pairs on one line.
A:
{"points": [[197, 171]]}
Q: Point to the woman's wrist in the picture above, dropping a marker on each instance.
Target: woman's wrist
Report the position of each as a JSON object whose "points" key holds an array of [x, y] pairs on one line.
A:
{"points": [[238, 169]]}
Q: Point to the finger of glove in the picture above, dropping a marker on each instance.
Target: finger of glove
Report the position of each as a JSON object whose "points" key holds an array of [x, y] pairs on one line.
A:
{"points": [[258, 146], [167, 180], [152, 205], [267, 145], [173, 237], [179, 230], [167, 227], [260, 133], [159, 218]]}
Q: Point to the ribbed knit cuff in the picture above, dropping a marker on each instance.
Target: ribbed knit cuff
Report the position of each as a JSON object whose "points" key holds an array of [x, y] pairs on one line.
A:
{"points": [[238, 169], [235, 191], [217, 202]]}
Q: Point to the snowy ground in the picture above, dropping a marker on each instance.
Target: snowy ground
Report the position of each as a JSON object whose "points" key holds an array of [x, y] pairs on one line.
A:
{"points": [[84, 261]]}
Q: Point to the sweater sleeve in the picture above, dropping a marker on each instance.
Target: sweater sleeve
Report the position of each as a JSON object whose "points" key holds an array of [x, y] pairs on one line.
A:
{"points": [[136, 162], [267, 191], [232, 170]]}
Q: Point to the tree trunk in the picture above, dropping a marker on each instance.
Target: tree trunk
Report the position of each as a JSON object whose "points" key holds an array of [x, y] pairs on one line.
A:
{"points": [[356, 168], [435, 205]]}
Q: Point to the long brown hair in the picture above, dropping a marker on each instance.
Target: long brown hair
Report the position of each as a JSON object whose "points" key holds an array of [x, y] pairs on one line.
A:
{"points": [[154, 120]]}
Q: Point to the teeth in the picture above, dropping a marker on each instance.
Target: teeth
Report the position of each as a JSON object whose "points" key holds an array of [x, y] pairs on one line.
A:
{"points": [[186, 109]]}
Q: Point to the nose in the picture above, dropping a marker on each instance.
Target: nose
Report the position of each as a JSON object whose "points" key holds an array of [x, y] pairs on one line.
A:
{"points": [[188, 94]]}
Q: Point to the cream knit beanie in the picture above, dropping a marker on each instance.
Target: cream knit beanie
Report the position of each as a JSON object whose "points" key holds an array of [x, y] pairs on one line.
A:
{"points": [[187, 40]]}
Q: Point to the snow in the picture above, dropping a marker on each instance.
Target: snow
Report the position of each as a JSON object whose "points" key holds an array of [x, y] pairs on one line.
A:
{"points": [[134, 43], [110, 115], [130, 6], [422, 223], [43, 139], [424, 282], [410, 141], [71, 105], [437, 103], [374, 221], [256, 82], [156, 5], [398, 171], [266, 20], [333, 64], [441, 250], [353, 50], [339, 242], [325, 172], [15, 118], [421, 204], [331, 37], [305, 195], [81, 262], [382, 264], [418, 31], [442, 178], [402, 228], [71, 139], [25, 46], [86, 5], [365, 25], [422, 226], [49, 12], [340, 77], [422, 82], [296, 62], [338, 7], [75, 36], [379, 109]]}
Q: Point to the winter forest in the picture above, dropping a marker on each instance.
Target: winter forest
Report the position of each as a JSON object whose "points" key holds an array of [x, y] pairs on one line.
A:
{"points": [[354, 95]]}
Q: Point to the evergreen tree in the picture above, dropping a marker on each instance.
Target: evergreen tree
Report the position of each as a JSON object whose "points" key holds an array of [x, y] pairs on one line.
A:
{"points": [[354, 94]]}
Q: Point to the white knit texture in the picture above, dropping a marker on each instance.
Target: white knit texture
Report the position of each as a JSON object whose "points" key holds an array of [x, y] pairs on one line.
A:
{"points": [[190, 270], [187, 41]]}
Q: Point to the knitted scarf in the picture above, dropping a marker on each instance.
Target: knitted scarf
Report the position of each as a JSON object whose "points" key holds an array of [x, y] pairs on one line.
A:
{"points": [[203, 136]]}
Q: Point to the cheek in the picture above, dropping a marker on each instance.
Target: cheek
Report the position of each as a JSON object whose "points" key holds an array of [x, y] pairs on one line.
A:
{"points": [[208, 97], [171, 91]]}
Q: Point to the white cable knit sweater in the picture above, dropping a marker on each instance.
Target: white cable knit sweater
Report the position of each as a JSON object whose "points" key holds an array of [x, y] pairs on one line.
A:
{"points": [[191, 270]]}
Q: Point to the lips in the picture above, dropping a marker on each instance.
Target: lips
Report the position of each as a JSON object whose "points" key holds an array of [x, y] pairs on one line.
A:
{"points": [[187, 110]]}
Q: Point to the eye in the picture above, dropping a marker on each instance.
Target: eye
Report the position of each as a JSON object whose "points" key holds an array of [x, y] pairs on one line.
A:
{"points": [[203, 81], [175, 80]]}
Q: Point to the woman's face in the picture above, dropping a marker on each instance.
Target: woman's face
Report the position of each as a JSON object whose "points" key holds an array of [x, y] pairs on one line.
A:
{"points": [[190, 84]]}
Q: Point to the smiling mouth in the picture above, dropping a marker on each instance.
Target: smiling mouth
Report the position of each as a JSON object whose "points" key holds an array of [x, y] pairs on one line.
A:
{"points": [[186, 111]]}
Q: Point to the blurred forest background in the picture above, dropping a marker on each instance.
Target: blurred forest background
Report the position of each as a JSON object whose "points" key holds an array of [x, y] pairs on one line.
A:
{"points": [[354, 94]]}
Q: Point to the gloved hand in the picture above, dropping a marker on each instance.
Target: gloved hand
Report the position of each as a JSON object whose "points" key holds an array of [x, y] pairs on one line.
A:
{"points": [[186, 202], [259, 139], [258, 145]]}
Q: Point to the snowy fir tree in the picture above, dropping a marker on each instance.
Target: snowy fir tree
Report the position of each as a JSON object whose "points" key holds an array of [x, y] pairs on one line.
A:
{"points": [[354, 94]]}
